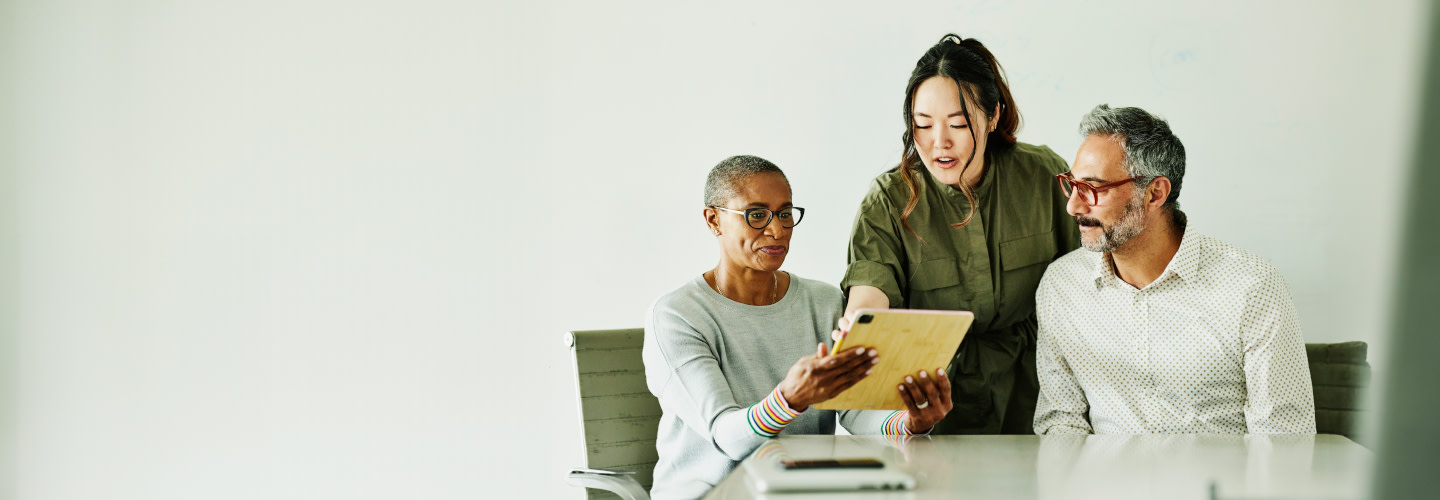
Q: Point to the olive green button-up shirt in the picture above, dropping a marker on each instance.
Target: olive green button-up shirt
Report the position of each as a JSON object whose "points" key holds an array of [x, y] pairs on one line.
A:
{"points": [[990, 267]]}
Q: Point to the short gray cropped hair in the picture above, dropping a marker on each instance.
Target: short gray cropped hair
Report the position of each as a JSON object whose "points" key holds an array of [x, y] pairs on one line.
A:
{"points": [[720, 185], [1151, 150]]}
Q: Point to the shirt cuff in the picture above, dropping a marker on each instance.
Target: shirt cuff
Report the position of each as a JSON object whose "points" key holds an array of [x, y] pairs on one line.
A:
{"points": [[895, 426], [770, 416]]}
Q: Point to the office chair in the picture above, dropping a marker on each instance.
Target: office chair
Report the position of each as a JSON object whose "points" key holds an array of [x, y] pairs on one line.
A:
{"points": [[618, 415], [1340, 376]]}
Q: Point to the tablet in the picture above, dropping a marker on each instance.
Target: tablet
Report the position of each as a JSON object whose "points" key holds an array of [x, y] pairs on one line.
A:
{"points": [[771, 476], [909, 340]]}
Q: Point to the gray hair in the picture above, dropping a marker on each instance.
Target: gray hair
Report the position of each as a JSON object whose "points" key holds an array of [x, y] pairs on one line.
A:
{"points": [[720, 185], [1151, 150]]}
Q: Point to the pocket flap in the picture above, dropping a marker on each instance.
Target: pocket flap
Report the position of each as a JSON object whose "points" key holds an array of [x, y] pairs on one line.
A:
{"points": [[1028, 251], [935, 274]]}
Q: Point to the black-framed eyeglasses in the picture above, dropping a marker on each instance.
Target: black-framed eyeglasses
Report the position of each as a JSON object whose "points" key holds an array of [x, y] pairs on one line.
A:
{"points": [[759, 218]]}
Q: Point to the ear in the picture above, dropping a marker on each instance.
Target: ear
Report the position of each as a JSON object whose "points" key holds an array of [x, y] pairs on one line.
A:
{"points": [[1157, 192], [995, 117], [712, 220]]}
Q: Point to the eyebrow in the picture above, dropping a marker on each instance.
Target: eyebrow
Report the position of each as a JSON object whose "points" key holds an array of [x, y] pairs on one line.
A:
{"points": [[1091, 178], [757, 204], [951, 115]]}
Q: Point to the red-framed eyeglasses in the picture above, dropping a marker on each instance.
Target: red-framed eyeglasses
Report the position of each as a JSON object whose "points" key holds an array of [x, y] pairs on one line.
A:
{"points": [[1089, 194]]}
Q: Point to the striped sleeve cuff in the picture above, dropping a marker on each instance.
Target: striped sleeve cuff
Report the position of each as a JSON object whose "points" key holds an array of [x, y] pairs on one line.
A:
{"points": [[895, 426], [770, 416]]}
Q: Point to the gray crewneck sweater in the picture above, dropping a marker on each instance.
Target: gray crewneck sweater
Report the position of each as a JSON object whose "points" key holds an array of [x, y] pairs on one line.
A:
{"points": [[708, 358]]}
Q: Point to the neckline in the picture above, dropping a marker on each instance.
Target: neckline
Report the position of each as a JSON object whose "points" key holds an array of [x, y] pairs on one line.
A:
{"points": [[728, 302], [982, 190]]}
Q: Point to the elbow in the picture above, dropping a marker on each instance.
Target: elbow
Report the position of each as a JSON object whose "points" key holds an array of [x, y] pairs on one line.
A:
{"points": [[738, 451]]}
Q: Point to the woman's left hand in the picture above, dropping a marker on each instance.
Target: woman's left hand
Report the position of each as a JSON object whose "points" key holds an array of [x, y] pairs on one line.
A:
{"points": [[927, 400]]}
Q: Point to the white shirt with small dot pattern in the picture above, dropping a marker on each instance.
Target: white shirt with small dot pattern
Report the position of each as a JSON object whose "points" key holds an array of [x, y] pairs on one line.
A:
{"points": [[1212, 346]]}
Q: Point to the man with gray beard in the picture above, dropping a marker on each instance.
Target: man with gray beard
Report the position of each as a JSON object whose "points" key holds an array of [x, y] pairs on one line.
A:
{"points": [[1152, 327]]}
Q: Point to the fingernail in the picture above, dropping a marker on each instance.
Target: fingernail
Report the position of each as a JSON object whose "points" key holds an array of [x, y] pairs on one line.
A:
{"points": [[874, 353], [860, 351], [867, 372], [940, 371], [901, 387], [874, 360], [922, 374], [908, 379]]}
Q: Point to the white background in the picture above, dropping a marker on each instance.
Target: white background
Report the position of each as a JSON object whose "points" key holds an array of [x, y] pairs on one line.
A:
{"points": [[327, 249]]}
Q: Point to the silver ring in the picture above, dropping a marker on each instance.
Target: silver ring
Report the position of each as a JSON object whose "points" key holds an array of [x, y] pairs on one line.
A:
{"points": [[922, 405]]}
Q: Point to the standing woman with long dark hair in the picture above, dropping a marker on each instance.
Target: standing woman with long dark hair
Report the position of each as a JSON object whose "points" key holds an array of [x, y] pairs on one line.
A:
{"points": [[968, 220]]}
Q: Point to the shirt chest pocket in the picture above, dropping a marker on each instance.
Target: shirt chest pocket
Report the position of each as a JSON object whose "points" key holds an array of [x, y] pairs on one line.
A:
{"points": [[935, 284], [1024, 261]]}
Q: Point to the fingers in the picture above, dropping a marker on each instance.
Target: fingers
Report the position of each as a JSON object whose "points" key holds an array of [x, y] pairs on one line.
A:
{"points": [[820, 350], [924, 402], [942, 382], [843, 324], [909, 399], [837, 335], [846, 359], [849, 382], [859, 361], [846, 379], [848, 373], [910, 387], [928, 384]]}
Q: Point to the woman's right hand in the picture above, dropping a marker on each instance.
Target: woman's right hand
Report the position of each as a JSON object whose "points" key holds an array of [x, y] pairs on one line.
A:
{"points": [[818, 377]]}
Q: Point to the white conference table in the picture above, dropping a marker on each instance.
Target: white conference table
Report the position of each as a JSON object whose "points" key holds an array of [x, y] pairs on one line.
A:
{"points": [[1179, 467]]}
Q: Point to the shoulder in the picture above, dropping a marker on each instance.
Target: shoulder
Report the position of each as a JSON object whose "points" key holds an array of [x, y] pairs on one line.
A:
{"points": [[1077, 267], [1224, 261], [887, 190], [1036, 159], [1039, 160], [684, 304], [1029, 173], [815, 290]]}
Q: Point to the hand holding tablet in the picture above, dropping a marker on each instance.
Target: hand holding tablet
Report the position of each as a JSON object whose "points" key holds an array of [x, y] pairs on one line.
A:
{"points": [[915, 343], [822, 375]]}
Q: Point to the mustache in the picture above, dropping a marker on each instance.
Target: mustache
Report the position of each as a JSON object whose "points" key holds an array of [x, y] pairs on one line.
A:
{"points": [[1087, 221]]}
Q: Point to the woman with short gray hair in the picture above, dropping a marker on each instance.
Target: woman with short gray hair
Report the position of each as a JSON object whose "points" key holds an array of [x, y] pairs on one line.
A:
{"points": [[721, 351]]}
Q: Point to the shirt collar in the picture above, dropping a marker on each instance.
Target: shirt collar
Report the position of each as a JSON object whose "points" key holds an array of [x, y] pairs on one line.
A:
{"points": [[1105, 271], [981, 192], [1185, 263]]}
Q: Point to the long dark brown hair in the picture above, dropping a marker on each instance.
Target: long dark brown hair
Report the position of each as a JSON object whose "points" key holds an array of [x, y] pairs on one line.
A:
{"points": [[980, 78]]}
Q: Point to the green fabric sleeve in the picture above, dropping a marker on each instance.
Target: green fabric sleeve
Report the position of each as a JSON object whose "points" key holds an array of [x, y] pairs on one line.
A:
{"points": [[876, 253]]}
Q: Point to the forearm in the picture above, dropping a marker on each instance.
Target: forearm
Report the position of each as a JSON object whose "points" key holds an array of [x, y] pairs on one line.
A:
{"points": [[1061, 407], [770, 416], [737, 432], [1052, 418], [866, 297], [1280, 398]]}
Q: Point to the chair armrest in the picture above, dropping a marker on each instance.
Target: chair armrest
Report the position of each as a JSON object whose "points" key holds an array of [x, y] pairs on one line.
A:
{"points": [[618, 483]]}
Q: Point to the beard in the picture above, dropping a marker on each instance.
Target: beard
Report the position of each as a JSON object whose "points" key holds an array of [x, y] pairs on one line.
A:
{"points": [[1111, 237]]}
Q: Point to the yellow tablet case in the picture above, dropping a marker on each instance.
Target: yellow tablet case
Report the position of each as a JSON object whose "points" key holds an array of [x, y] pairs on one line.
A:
{"points": [[909, 340]]}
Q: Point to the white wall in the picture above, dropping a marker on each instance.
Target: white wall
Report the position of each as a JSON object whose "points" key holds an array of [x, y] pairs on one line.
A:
{"points": [[297, 249]]}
